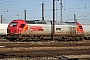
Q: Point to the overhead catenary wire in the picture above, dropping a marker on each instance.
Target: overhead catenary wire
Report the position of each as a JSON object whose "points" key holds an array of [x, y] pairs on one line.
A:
{"points": [[9, 5]]}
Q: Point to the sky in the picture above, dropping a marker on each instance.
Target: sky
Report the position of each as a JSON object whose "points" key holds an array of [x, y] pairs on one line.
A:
{"points": [[14, 9]]}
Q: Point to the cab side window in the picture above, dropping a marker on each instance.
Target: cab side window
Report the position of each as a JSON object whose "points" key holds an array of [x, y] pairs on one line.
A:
{"points": [[22, 25]]}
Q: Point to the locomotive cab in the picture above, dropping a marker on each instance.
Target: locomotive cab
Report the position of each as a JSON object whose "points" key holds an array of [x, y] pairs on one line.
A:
{"points": [[16, 26], [79, 28]]}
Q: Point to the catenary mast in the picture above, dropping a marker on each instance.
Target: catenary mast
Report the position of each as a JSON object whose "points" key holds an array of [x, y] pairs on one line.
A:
{"points": [[61, 11]]}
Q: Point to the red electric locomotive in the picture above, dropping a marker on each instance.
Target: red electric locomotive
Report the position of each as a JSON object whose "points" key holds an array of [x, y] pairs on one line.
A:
{"points": [[40, 30]]}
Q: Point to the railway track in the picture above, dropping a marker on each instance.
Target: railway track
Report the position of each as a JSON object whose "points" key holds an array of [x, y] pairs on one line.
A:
{"points": [[44, 49]]}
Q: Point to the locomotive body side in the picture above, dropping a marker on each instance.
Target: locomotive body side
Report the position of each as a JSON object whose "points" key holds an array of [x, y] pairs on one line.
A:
{"points": [[37, 29], [65, 29], [46, 29]]}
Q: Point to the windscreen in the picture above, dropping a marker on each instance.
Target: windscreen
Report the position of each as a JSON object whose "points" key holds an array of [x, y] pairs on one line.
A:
{"points": [[13, 24]]}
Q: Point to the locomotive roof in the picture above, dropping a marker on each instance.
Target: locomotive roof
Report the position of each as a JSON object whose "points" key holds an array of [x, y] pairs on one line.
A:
{"points": [[35, 22], [70, 23], [66, 23], [45, 22]]}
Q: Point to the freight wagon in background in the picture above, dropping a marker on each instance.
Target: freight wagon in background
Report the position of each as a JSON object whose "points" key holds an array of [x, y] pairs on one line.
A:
{"points": [[86, 28], [3, 30]]}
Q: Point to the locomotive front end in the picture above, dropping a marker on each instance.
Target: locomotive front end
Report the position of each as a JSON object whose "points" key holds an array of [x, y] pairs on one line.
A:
{"points": [[15, 28], [79, 28], [12, 28]]}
